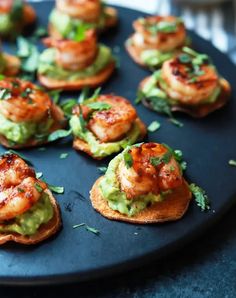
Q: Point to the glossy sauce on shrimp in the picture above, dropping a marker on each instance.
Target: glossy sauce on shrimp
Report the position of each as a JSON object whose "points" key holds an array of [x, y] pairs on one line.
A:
{"points": [[186, 88], [87, 10], [153, 170], [22, 101], [152, 33], [113, 123], [19, 188], [75, 55]]}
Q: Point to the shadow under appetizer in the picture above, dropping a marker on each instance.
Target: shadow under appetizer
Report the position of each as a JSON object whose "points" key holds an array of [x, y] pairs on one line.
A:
{"points": [[156, 39], [188, 83], [143, 184], [105, 125], [14, 16], [28, 211], [9, 65], [74, 64], [27, 114], [70, 16]]}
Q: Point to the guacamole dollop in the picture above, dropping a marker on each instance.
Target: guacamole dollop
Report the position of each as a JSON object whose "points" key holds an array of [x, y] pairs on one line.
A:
{"points": [[29, 222], [117, 199], [156, 87], [20, 133], [48, 67], [103, 149], [154, 58], [64, 23], [6, 24]]}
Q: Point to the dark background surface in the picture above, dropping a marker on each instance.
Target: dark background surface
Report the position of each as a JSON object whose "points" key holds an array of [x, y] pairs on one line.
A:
{"points": [[206, 268]]}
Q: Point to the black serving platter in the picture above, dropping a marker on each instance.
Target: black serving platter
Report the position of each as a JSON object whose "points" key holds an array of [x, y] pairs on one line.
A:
{"points": [[76, 254]]}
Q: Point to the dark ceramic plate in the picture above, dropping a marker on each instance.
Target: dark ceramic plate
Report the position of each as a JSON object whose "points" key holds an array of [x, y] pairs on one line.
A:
{"points": [[76, 254]]}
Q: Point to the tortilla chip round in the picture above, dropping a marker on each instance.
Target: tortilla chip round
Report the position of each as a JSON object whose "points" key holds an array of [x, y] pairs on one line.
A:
{"points": [[172, 208]]}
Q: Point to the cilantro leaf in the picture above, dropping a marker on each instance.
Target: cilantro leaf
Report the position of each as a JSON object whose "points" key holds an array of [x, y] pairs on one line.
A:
{"points": [[102, 169], [88, 228], [64, 155], [67, 106], [155, 125], [128, 159], [232, 162], [98, 106], [156, 161], [38, 187], [56, 189], [5, 94], [55, 95], [58, 134], [83, 95], [160, 105], [39, 175], [11, 151], [82, 121], [200, 197]]}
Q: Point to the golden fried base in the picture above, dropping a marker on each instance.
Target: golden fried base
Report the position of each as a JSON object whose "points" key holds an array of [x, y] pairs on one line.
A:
{"points": [[45, 230], [172, 208], [79, 84], [134, 52], [12, 65], [81, 145], [59, 123], [202, 110]]}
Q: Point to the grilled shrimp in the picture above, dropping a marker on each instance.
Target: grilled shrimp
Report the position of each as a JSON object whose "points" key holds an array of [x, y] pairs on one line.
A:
{"points": [[145, 38], [181, 87], [19, 188], [87, 10], [75, 55], [111, 124], [28, 13], [22, 101], [145, 176]]}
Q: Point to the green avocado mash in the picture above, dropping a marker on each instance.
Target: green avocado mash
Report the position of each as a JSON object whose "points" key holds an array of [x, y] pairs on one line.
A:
{"points": [[116, 199], [6, 24], [64, 23], [48, 67], [103, 149], [156, 87], [20, 133], [29, 222], [155, 58]]}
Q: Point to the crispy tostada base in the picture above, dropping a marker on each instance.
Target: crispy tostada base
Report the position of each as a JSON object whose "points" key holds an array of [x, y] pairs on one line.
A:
{"points": [[92, 81], [81, 145], [172, 208], [44, 231]]}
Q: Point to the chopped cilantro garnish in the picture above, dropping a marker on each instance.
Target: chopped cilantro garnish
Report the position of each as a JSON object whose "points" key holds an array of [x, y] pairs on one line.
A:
{"points": [[56, 189], [98, 106], [176, 122], [128, 159], [20, 189], [5, 94], [55, 95], [156, 161], [39, 175], [67, 106], [232, 162], [38, 187], [59, 134], [11, 151], [64, 155], [90, 229], [200, 197], [102, 169], [155, 125]]}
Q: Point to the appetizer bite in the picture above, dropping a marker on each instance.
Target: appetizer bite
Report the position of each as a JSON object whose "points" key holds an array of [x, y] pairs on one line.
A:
{"points": [[143, 184], [27, 114], [188, 83], [69, 16], [104, 125], [28, 211], [156, 39], [14, 16], [74, 64], [9, 64]]}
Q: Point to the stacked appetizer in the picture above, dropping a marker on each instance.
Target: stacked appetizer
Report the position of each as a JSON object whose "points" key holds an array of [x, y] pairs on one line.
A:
{"points": [[156, 39], [27, 114], [28, 211], [104, 125], [74, 64], [143, 184], [189, 83], [70, 15], [14, 16]]}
